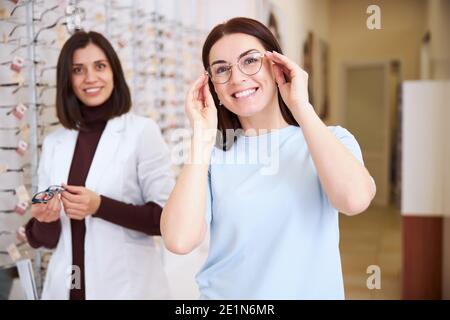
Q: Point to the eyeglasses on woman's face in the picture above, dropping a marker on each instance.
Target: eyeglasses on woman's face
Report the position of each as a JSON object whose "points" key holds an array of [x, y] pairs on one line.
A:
{"points": [[249, 64]]}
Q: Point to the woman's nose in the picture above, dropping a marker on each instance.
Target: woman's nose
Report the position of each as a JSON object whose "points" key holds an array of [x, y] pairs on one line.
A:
{"points": [[90, 76], [237, 76]]}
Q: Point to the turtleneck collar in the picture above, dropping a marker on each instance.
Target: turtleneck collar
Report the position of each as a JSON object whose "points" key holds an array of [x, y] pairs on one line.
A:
{"points": [[96, 117]]}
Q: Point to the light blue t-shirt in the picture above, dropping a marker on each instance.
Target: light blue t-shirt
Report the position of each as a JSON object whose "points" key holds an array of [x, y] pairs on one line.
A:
{"points": [[274, 233]]}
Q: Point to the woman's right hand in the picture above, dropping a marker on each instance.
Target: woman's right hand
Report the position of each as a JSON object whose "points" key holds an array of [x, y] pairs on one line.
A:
{"points": [[200, 107], [183, 225], [47, 212]]}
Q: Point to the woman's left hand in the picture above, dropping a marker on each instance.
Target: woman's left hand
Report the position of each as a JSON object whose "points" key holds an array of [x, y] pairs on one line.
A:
{"points": [[79, 202], [292, 81]]}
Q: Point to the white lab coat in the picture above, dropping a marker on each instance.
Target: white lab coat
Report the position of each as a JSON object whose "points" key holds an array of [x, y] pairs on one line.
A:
{"points": [[131, 164]]}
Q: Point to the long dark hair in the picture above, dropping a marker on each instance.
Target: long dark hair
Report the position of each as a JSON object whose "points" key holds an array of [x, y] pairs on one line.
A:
{"points": [[226, 118], [67, 104]]}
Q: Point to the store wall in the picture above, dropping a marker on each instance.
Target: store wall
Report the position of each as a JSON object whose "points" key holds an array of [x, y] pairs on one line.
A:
{"points": [[402, 28], [300, 17], [438, 22]]}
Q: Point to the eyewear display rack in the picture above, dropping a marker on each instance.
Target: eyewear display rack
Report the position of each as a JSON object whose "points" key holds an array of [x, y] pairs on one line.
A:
{"points": [[160, 53], [32, 33]]}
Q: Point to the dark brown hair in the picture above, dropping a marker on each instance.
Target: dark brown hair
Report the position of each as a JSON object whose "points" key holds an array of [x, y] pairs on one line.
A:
{"points": [[67, 104], [226, 118]]}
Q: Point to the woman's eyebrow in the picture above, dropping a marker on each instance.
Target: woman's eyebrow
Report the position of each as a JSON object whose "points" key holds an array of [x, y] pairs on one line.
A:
{"points": [[97, 61], [246, 52], [240, 56], [218, 61]]}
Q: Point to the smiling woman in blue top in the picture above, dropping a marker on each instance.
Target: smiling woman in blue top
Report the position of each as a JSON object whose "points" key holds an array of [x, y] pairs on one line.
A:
{"points": [[270, 193]]}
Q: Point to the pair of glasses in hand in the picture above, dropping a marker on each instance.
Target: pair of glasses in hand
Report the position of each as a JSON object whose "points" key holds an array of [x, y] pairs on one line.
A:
{"points": [[47, 195]]}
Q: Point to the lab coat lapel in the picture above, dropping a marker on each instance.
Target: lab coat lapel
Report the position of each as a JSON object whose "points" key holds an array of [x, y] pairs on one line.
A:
{"points": [[64, 150], [61, 163], [105, 153]]}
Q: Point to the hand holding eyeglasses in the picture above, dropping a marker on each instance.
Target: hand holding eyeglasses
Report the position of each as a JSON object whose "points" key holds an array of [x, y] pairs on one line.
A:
{"points": [[47, 211], [292, 81], [200, 107], [79, 202]]}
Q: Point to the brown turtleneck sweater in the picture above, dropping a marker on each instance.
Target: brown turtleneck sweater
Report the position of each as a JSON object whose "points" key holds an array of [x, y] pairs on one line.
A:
{"points": [[143, 218]]}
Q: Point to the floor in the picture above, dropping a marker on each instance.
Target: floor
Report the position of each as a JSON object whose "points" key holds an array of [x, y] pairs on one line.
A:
{"points": [[372, 238]]}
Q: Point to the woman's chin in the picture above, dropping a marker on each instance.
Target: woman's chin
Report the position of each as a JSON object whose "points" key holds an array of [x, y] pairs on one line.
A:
{"points": [[247, 113], [92, 102], [246, 110]]}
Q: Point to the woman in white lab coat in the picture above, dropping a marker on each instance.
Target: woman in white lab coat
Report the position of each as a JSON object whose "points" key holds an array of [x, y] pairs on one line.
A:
{"points": [[114, 169]]}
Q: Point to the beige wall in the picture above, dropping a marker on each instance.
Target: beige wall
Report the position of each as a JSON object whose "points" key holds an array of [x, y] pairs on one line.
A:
{"points": [[438, 22], [403, 25], [300, 16]]}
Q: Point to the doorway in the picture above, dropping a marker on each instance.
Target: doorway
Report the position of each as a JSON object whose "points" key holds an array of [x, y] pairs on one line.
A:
{"points": [[370, 113]]}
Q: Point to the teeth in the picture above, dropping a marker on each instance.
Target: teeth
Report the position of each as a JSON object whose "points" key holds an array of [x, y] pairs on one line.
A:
{"points": [[244, 93], [91, 90]]}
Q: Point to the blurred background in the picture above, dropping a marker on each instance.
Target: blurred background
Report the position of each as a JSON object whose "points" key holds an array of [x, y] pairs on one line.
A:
{"points": [[379, 68]]}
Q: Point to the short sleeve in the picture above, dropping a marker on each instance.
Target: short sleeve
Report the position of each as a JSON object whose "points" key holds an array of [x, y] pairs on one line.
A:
{"points": [[349, 141]]}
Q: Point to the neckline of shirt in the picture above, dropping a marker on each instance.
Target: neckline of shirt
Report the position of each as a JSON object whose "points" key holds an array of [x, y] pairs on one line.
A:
{"points": [[281, 131]]}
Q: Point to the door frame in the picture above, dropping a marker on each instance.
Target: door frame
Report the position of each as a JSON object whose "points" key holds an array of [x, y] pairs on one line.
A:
{"points": [[380, 199]]}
